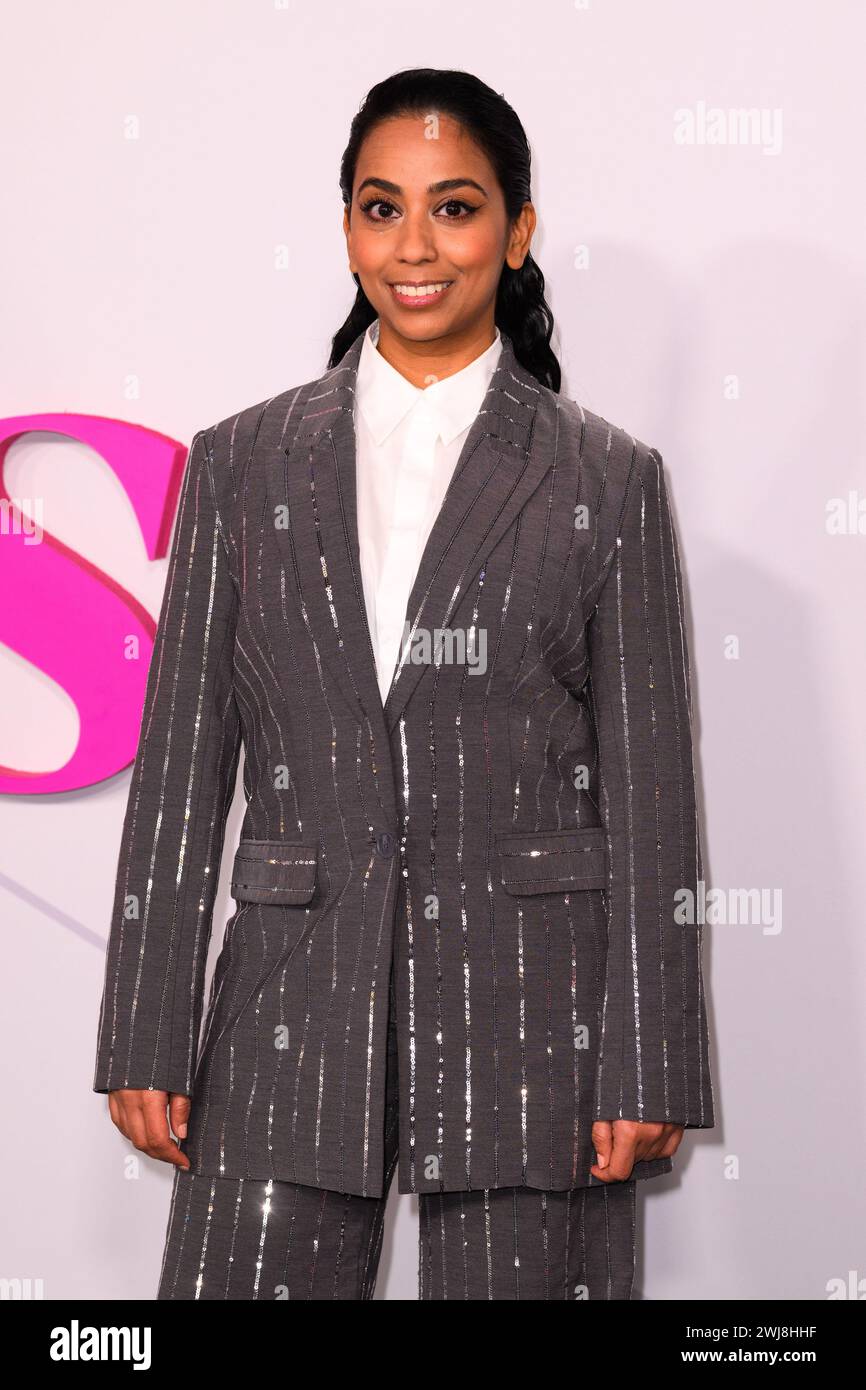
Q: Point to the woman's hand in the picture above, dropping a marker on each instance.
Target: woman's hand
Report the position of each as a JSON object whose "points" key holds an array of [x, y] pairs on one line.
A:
{"points": [[620, 1144], [140, 1115]]}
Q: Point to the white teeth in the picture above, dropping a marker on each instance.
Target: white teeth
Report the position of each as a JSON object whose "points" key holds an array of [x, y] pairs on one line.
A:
{"points": [[415, 290]]}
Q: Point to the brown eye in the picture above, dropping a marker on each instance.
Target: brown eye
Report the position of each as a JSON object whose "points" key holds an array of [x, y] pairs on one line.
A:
{"points": [[462, 210], [377, 203]]}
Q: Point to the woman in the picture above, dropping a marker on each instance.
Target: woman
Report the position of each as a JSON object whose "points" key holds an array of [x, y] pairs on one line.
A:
{"points": [[460, 939]]}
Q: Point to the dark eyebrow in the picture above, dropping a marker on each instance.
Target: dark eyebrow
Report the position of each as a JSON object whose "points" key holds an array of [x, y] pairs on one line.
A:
{"points": [[443, 186]]}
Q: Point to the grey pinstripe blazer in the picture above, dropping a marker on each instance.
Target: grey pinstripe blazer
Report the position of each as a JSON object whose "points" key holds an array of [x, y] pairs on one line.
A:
{"points": [[513, 830]]}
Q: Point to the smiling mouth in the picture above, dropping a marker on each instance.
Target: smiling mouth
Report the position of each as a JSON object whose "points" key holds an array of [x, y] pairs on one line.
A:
{"points": [[417, 295]]}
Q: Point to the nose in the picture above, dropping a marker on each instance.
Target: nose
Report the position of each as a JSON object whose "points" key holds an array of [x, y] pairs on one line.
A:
{"points": [[416, 239]]}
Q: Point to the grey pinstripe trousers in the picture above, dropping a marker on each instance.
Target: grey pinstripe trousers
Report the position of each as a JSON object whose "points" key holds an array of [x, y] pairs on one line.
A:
{"points": [[246, 1238]]}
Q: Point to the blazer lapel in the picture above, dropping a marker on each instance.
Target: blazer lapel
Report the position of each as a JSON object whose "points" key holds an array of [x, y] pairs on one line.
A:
{"points": [[312, 493], [311, 490], [508, 450]]}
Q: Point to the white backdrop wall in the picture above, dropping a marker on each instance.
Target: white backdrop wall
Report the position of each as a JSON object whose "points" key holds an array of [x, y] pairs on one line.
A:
{"points": [[162, 164]]}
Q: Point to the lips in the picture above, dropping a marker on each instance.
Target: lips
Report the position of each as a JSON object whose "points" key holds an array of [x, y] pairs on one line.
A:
{"points": [[419, 296]]}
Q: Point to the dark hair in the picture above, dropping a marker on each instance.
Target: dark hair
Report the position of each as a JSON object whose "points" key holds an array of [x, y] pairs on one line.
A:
{"points": [[521, 311]]}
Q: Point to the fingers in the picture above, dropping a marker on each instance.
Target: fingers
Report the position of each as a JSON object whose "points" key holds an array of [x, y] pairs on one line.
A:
{"points": [[141, 1117], [602, 1138], [178, 1113], [623, 1143], [623, 1152], [650, 1138], [664, 1144], [673, 1141]]}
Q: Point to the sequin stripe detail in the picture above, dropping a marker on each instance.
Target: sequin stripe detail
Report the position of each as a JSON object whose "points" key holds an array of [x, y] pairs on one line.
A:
{"points": [[346, 1026], [516, 865], [560, 633], [645, 1069], [267, 859], [270, 888], [231, 1059], [207, 437], [252, 728], [115, 951], [488, 854], [464, 916], [577, 595], [282, 1025], [552, 476], [205, 1238], [534, 711], [228, 1239], [576, 1040], [381, 937], [565, 703], [251, 1239], [322, 691], [670, 543], [272, 722], [437, 930], [566, 568], [227, 770], [519, 1243], [216, 834], [458, 588], [370, 1268], [325, 876], [579, 719], [269, 662], [657, 781], [585, 592], [242, 577], [524, 1081], [548, 878], [257, 1033], [257, 608], [238, 473], [203, 1098], [545, 853], [196, 544], [217, 1063], [362, 935], [173, 1209], [630, 830], [488, 1242], [513, 702], [410, 951]]}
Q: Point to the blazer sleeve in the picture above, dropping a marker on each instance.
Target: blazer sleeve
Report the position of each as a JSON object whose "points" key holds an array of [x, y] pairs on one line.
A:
{"points": [[654, 1056], [180, 793]]}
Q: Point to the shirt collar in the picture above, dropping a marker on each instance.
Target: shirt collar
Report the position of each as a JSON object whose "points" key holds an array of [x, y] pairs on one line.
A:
{"points": [[385, 397]]}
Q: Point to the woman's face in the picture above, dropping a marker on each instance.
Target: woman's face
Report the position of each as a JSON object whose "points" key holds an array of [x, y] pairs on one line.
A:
{"points": [[428, 234]]}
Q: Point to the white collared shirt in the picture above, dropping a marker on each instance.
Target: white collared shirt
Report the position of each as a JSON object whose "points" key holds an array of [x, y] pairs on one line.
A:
{"points": [[409, 439]]}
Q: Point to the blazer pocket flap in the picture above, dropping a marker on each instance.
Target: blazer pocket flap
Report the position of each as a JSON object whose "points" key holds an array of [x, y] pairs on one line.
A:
{"points": [[552, 861], [282, 872]]}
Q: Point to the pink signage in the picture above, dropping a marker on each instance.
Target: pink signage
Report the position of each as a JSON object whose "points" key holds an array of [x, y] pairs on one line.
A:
{"points": [[72, 620]]}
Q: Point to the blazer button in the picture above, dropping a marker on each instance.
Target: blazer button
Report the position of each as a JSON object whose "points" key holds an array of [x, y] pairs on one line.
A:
{"points": [[385, 844]]}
